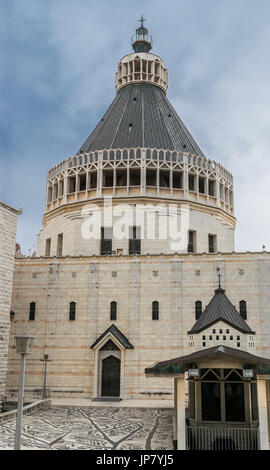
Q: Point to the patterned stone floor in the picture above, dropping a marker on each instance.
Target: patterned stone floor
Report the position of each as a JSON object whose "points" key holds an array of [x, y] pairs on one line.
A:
{"points": [[93, 429]]}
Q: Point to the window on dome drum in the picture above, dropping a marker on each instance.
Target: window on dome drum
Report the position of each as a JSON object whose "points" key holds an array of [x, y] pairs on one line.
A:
{"points": [[113, 311], [71, 184], [72, 310], [49, 197], [191, 182], [191, 241], [211, 187], [243, 309], [61, 188], [198, 309], [121, 177], [48, 247], [155, 310], [151, 177], [55, 191], [32, 311], [164, 179], [134, 240], [82, 182], [202, 185], [177, 179], [107, 178], [135, 178], [106, 241], [59, 244], [93, 180], [212, 243]]}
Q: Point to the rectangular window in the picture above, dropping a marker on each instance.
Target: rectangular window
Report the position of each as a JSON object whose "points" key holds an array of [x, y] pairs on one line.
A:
{"points": [[201, 185], [211, 406], [177, 179], [106, 241], [72, 311], [48, 247], [82, 182], [191, 241], [211, 187], [235, 402], [71, 184], [32, 311], [134, 240], [191, 182], [59, 244], [212, 243]]}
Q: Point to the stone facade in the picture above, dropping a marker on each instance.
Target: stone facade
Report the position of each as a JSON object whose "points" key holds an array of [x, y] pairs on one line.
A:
{"points": [[134, 282], [8, 228]]}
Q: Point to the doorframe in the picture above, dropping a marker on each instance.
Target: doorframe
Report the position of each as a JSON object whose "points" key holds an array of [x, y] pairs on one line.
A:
{"points": [[99, 355]]}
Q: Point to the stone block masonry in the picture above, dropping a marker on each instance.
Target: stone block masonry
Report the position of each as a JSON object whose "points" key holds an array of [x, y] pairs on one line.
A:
{"points": [[8, 228]]}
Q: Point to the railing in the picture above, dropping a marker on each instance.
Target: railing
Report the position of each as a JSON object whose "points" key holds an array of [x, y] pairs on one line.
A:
{"points": [[214, 438]]}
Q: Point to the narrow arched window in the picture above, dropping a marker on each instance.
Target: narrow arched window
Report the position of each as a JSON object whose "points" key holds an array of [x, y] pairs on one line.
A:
{"points": [[32, 311], [155, 310], [113, 311], [72, 310], [198, 309], [243, 309]]}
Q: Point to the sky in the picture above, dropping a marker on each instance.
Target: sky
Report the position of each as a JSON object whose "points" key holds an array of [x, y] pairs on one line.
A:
{"points": [[58, 64]]}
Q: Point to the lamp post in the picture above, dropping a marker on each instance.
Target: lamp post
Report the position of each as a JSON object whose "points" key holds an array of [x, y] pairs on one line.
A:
{"points": [[23, 346], [45, 360]]}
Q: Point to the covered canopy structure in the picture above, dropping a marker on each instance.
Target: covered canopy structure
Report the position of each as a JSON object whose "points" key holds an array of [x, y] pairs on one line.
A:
{"points": [[227, 406]]}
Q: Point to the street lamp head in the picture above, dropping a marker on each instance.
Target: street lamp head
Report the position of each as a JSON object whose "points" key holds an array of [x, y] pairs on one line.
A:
{"points": [[24, 344], [46, 357]]}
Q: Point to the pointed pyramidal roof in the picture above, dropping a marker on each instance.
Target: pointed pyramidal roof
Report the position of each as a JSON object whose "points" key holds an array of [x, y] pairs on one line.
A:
{"points": [[220, 308], [141, 115]]}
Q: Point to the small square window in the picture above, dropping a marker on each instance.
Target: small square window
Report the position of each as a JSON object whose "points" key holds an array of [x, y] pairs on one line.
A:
{"points": [[238, 338], [227, 332], [217, 338], [224, 338], [231, 338], [204, 344], [238, 345], [210, 338], [203, 337], [214, 331], [220, 331]]}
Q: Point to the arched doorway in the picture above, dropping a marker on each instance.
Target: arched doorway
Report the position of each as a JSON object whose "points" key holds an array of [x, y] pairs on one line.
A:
{"points": [[110, 381]]}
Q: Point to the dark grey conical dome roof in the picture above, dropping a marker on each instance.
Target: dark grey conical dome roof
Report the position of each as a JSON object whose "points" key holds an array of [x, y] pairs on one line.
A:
{"points": [[141, 116]]}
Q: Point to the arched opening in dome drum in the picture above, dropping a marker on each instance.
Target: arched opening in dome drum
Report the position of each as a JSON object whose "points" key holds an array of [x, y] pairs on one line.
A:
{"points": [[191, 182], [177, 179], [92, 180], [71, 184], [82, 182], [211, 188], [151, 177], [164, 179], [202, 185], [135, 178], [107, 178], [121, 177]]}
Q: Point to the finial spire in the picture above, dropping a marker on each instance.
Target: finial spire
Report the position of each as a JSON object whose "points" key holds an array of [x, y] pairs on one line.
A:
{"points": [[219, 281], [142, 41]]}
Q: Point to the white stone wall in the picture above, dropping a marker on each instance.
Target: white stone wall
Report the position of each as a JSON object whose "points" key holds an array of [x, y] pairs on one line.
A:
{"points": [[134, 282], [8, 228], [203, 221]]}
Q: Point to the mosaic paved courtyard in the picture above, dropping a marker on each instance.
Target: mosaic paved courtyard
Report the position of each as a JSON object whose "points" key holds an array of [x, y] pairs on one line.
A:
{"points": [[94, 428]]}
